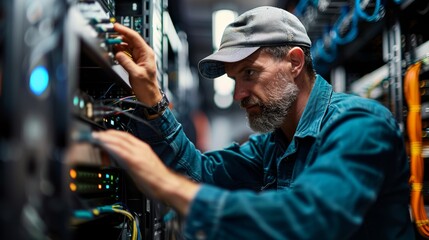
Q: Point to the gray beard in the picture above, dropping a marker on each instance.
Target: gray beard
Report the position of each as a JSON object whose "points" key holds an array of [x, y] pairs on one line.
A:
{"points": [[272, 115]]}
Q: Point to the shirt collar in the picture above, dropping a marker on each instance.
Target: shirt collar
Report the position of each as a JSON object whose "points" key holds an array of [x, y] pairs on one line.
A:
{"points": [[317, 105]]}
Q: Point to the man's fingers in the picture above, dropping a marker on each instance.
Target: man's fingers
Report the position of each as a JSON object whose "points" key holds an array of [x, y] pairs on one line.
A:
{"points": [[110, 136], [117, 137], [119, 144], [126, 32], [127, 147], [126, 61], [130, 36]]}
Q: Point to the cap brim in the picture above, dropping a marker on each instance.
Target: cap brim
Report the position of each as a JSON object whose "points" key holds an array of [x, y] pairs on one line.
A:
{"points": [[213, 65]]}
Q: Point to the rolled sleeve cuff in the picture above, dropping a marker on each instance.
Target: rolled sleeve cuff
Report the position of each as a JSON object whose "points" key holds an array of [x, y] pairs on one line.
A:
{"points": [[157, 129], [205, 212]]}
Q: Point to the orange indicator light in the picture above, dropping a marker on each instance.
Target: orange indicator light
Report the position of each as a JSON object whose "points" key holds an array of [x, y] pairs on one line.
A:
{"points": [[73, 173], [73, 187]]}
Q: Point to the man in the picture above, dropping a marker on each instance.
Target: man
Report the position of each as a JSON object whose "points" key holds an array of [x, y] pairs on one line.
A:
{"points": [[325, 166]]}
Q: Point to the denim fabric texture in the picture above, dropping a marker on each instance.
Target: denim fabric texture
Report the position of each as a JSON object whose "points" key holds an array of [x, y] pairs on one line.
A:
{"points": [[344, 175]]}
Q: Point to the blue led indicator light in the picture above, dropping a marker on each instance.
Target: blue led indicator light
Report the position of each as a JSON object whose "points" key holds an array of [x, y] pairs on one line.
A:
{"points": [[39, 80], [107, 186]]}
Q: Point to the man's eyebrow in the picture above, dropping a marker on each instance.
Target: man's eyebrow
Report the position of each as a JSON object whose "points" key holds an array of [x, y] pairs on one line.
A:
{"points": [[241, 67], [236, 70]]}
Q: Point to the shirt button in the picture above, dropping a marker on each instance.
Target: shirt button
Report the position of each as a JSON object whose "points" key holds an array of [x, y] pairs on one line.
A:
{"points": [[200, 235]]}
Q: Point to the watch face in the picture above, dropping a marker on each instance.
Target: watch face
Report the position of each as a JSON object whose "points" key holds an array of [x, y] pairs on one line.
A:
{"points": [[163, 104], [160, 106]]}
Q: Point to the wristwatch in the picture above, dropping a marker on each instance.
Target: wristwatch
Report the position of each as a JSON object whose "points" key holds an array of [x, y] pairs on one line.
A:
{"points": [[157, 109]]}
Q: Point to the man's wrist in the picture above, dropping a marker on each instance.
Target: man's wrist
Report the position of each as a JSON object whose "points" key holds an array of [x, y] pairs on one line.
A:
{"points": [[157, 109], [179, 193]]}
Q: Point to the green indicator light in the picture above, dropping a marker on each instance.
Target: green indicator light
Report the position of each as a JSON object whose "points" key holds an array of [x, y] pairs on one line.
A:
{"points": [[75, 100]]}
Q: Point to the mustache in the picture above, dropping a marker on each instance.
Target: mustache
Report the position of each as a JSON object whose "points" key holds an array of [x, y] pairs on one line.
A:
{"points": [[248, 101]]}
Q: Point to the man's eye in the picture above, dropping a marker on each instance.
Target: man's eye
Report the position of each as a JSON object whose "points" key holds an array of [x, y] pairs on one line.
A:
{"points": [[249, 72]]}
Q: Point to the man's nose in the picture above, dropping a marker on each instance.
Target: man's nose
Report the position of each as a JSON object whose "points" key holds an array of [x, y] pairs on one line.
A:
{"points": [[240, 91]]}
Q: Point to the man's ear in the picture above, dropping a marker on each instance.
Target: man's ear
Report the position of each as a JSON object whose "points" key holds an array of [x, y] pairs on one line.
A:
{"points": [[297, 60]]}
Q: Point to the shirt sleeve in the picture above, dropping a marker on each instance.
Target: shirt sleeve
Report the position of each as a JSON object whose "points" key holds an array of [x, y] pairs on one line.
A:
{"points": [[235, 167]]}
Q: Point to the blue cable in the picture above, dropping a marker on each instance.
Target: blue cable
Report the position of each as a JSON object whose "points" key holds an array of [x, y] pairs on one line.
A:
{"points": [[105, 209], [315, 3], [362, 14], [169, 215], [83, 214], [351, 34], [300, 8], [326, 56], [139, 235], [89, 214]]}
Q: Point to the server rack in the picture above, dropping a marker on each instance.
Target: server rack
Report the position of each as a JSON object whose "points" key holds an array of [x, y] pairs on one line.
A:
{"points": [[59, 81], [102, 80]]}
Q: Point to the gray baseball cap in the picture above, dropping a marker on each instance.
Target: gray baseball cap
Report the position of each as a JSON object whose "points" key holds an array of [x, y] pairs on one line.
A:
{"points": [[261, 26]]}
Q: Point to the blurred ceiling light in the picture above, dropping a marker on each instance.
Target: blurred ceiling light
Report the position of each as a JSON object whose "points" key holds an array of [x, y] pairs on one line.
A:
{"points": [[223, 101], [223, 85], [220, 19]]}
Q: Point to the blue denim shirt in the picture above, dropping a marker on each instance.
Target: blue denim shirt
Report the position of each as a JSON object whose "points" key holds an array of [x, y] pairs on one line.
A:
{"points": [[344, 175]]}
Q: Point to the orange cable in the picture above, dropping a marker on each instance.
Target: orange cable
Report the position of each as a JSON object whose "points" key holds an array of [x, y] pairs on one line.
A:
{"points": [[414, 130]]}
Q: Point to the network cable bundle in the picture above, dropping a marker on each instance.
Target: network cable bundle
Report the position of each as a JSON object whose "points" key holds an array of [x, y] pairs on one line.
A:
{"points": [[415, 88]]}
